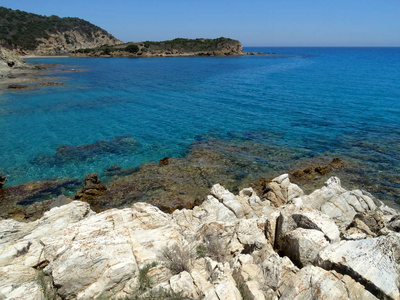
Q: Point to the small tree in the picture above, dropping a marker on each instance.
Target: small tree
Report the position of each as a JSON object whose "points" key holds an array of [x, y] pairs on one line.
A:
{"points": [[132, 48]]}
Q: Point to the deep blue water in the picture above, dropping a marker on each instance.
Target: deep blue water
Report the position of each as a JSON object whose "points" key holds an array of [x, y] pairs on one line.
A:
{"points": [[322, 101]]}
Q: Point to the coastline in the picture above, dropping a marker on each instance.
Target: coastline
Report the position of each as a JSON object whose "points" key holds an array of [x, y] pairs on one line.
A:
{"points": [[176, 183]]}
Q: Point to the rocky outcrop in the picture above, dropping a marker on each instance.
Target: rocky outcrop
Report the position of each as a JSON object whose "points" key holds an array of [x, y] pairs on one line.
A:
{"points": [[67, 41], [229, 247], [176, 47], [30, 33], [10, 61], [91, 189]]}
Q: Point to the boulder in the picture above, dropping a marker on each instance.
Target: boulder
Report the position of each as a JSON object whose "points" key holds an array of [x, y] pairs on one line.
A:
{"points": [[303, 245], [370, 262], [280, 190], [315, 283], [289, 217], [228, 247], [338, 203]]}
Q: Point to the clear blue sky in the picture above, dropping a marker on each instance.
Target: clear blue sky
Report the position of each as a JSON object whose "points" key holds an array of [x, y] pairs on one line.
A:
{"points": [[253, 22]]}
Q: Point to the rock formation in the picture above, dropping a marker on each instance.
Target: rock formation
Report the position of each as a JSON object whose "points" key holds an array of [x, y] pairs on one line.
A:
{"points": [[176, 47], [3, 180], [229, 247], [9, 61], [41, 35]]}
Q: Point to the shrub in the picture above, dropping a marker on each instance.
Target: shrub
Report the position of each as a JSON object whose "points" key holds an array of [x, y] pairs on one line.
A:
{"points": [[144, 280], [132, 48], [201, 251], [178, 257]]}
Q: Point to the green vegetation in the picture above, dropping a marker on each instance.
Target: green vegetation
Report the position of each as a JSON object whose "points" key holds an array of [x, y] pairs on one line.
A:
{"points": [[157, 295], [132, 48], [201, 251], [190, 45], [144, 280], [179, 44], [22, 29], [43, 280], [178, 257]]}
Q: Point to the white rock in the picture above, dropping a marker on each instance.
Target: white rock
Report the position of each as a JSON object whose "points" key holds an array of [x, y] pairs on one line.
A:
{"points": [[227, 290], [183, 284], [313, 219], [338, 203], [370, 261], [303, 245], [315, 283]]}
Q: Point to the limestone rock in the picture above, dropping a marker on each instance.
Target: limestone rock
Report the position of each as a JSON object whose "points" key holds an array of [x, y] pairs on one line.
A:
{"points": [[370, 262], [290, 217], [303, 245], [280, 190], [183, 284], [315, 283], [338, 203], [276, 269], [227, 290], [226, 244]]}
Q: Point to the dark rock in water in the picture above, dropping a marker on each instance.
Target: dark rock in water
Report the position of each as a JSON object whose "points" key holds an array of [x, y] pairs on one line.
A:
{"points": [[36, 210], [164, 161], [117, 171], [311, 172], [59, 201], [185, 182], [91, 189], [114, 169], [31, 87], [124, 144], [28, 201], [3, 180], [17, 87]]}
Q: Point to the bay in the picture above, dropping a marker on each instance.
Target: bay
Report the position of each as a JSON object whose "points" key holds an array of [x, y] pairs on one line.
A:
{"points": [[329, 102]]}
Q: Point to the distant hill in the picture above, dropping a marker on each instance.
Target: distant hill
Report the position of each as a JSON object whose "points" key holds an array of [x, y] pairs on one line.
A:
{"points": [[38, 34], [176, 47]]}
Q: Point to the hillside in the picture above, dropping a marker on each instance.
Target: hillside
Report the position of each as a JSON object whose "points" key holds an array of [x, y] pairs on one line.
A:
{"points": [[38, 34], [176, 47]]}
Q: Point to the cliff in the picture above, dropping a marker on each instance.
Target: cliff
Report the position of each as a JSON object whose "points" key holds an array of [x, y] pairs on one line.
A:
{"points": [[9, 60], [330, 244], [42, 35], [176, 47]]}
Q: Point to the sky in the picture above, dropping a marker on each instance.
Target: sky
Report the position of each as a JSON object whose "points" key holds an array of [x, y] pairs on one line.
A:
{"points": [[358, 23]]}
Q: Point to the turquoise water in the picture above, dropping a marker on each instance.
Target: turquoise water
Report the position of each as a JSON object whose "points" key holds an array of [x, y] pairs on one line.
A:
{"points": [[320, 101]]}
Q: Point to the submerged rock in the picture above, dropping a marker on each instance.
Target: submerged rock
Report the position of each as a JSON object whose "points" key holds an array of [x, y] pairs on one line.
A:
{"points": [[124, 144], [28, 201]]}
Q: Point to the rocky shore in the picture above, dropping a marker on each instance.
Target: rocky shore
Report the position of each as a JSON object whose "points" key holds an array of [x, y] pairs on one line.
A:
{"points": [[329, 244], [17, 74]]}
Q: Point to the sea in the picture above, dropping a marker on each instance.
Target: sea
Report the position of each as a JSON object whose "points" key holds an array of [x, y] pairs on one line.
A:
{"points": [[309, 102]]}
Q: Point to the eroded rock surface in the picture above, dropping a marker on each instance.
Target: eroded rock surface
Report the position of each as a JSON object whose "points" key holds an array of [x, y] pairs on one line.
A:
{"points": [[229, 247]]}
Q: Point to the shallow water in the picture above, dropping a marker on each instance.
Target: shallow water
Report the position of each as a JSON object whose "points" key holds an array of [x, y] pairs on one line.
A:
{"points": [[315, 102]]}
